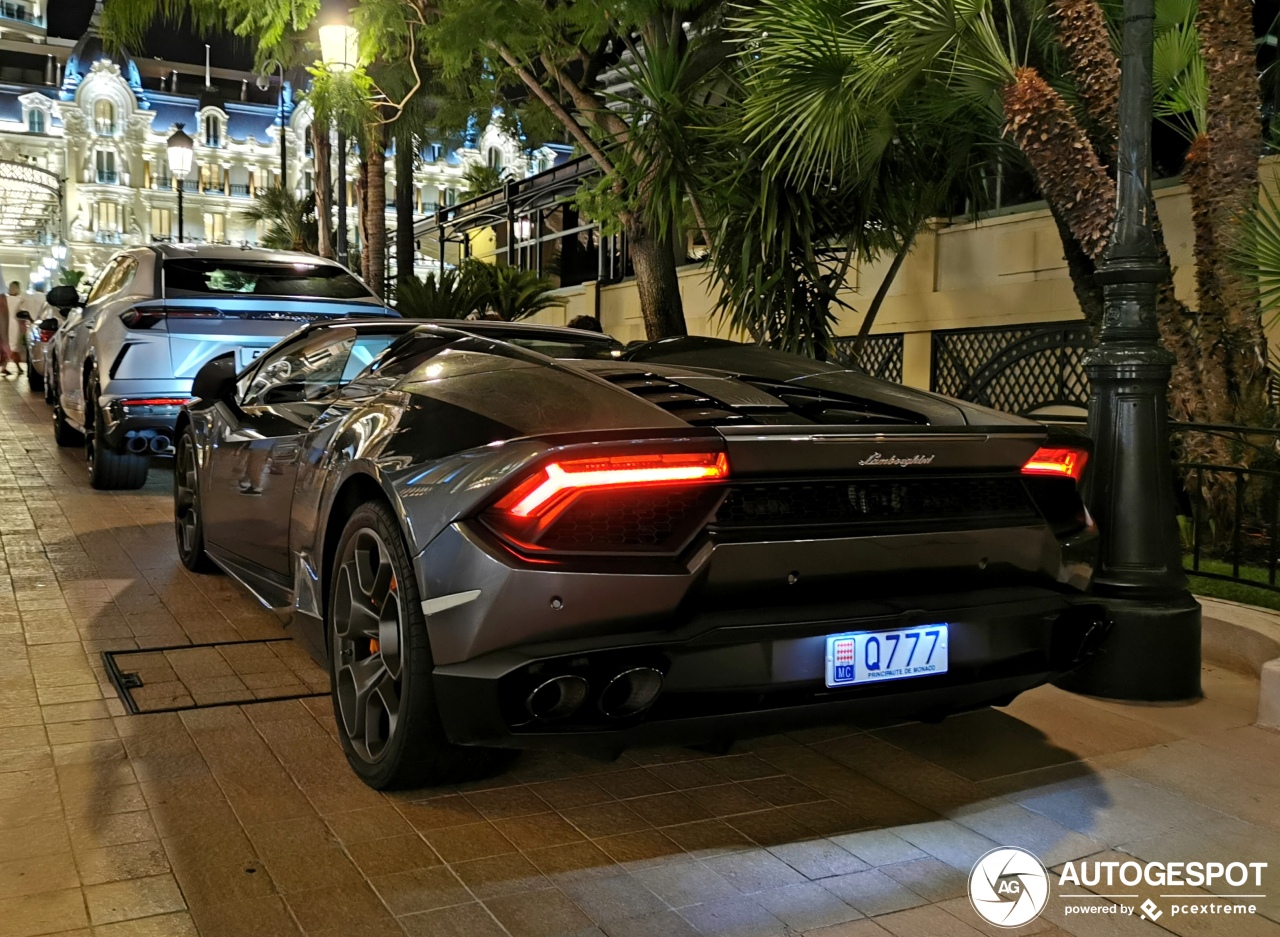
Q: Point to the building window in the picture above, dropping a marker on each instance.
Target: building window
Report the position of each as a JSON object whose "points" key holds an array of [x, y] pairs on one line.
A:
{"points": [[215, 227], [309, 142], [495, 158], [161, 223], [210, 178], [212, 131], [35, 120], [104, 118], [308, 182], [106, 165], [106, 221], [449, 197]]}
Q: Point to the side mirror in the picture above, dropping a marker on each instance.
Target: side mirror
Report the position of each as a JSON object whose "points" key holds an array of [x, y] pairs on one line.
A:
{"points": [[217, 379], [63, 297], [49, 325]]}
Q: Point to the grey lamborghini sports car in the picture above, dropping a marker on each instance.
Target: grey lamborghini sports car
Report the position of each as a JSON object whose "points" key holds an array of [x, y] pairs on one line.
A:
{"points": [[502, 536]]}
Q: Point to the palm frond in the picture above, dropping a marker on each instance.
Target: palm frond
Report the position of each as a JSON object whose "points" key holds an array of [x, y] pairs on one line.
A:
{"points": [[1257, 251]]}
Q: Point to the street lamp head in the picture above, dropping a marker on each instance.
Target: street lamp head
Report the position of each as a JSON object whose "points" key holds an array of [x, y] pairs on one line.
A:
{"points": [[179, 153], [339, 46]]}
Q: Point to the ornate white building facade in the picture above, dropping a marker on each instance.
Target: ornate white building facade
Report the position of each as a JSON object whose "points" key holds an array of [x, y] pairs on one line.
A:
{"points": [[102, 135]]}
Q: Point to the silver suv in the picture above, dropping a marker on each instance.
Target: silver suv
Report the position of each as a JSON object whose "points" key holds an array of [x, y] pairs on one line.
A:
{"points": [[123, 361]]}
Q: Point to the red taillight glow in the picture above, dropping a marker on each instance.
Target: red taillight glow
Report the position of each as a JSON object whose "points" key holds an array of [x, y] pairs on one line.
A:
{"points": [[1063, 461], [558, 479], [155, 401]]}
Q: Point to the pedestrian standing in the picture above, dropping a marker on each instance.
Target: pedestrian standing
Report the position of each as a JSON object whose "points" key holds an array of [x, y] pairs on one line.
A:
{"points": [[20, 324], [7, 354]]}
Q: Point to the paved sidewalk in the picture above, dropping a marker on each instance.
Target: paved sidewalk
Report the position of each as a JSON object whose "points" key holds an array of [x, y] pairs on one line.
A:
{"points": [[245, 820]]}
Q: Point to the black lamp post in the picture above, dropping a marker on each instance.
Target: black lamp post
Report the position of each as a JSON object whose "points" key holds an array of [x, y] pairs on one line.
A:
{"points": [[1153, 651], [180, 151], [339, 49]]}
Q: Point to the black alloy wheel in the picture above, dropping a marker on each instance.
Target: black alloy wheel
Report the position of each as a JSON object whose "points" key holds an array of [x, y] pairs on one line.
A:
{"points": [[35, 380], [188, 521], [109, 469], [380, 663], [64, 434]]}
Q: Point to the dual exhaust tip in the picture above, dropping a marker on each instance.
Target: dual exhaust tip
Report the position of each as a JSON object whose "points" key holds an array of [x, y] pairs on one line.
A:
{"points": [[140, 444], [628, 693]]}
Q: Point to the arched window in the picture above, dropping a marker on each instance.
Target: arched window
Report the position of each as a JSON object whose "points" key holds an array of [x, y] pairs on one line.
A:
{"points": [[495, 158], [309, 142], [35, 120], [212, 131], [104, 117]]}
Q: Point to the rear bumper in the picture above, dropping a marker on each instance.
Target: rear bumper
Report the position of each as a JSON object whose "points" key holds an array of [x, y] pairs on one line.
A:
{"points": [[735, 681], [144, 426]]}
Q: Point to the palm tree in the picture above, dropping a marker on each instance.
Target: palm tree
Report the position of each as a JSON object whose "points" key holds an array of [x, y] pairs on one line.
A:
{"points": [[828, 69], [447, 295], [517, 294], [290, 221], [479, 178]]}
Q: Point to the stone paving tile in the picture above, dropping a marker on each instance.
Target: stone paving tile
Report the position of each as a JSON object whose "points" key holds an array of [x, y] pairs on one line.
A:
{"points": [[245, 821]]}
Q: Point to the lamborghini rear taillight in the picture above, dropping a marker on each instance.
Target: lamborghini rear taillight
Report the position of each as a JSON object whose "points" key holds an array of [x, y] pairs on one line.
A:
{"points": [[644, 502], [1059, 461]]}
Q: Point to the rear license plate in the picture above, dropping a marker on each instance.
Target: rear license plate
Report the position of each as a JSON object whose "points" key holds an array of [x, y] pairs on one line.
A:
{"points": [[247, 356], [871, 656]]}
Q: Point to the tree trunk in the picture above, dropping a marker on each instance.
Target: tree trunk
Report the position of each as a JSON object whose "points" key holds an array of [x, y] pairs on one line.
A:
{"points": [[1228, 171], [1082, 29], [323, 158], [878, 300], [362, 214], [1067, 170], [404, 206], [376, 211], [657, 284], [1080, 267]]}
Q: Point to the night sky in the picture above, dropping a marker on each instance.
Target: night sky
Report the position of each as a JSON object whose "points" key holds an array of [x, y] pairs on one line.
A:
{"points": [[70, 18]]}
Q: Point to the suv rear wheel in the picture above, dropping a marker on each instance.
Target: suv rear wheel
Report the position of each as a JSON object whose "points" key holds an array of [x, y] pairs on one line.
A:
{"points": [[35, 380], [109, 469], [64, 434]]}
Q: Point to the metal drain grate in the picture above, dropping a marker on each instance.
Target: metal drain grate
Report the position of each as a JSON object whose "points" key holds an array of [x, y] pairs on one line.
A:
{"points": [[196, 676]]}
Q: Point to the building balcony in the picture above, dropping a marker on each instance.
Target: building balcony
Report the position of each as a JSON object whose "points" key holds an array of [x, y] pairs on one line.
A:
{"points": [[107, 237], [20, 14], [189, 185], [163, 183], [106, 177], [238, 191]]}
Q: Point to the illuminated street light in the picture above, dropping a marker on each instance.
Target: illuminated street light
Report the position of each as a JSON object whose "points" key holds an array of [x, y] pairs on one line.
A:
{"points": [[180, 151], [339, 50]]}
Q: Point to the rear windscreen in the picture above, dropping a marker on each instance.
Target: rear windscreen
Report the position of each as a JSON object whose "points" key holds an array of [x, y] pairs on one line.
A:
{"points": [[201, 277]]}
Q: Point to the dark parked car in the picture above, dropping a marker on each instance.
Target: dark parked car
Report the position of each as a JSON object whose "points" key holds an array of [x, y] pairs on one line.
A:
{"points": [[508, 537]]}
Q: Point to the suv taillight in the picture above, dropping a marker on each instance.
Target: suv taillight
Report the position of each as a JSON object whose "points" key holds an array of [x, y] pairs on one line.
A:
{"points": [[144, 317], [638, 502], [141, 318]]}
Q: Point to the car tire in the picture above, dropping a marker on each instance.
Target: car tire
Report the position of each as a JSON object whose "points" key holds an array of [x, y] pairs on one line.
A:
{"points": [[408, 747], [110, 469], [188, 518], [64, 434], [35, 380]]}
